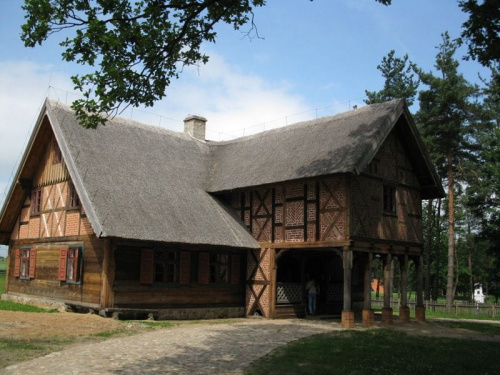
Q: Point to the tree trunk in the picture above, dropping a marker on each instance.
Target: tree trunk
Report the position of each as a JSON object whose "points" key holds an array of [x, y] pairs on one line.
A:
{"points": [[428, 252], [437, 252], [469, 261], [451, 236]]}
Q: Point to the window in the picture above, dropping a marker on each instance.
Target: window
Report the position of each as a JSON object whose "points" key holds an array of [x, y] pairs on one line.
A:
{"points": [[25, 263], [36, 201], [166, 266], [219, 268], [70, 264], [57, 154], [389, 199], [73, 199]]}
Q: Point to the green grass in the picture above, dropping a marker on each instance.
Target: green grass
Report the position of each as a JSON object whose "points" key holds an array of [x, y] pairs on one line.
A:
{"points": [[485, 328], [3, 264], [158, 324], [14, 306], [379, 352]]}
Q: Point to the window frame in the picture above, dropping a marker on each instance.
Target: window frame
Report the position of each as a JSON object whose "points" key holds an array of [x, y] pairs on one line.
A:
{"points": [[215, 265], [24, 273], [69, 262], [389, 199], [36, 201], [73, 197], [170, 267]]}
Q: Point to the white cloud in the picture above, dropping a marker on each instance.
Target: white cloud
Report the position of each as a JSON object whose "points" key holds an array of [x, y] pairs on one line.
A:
{"points": [[24, 86]]}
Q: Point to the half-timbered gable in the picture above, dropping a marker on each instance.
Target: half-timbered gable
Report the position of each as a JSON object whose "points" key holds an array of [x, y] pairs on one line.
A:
{"points": [[136, 219]]}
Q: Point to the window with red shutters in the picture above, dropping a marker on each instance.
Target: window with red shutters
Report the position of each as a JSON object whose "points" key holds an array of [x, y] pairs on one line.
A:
{"points": [[25, 263], [71, 265]]}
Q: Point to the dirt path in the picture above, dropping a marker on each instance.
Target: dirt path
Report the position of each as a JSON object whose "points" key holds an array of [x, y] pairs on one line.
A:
{"points": [[29, 326]]}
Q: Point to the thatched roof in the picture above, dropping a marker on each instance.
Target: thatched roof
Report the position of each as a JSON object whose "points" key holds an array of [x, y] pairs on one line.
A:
{"points": [[148, 183], [344, 143]]}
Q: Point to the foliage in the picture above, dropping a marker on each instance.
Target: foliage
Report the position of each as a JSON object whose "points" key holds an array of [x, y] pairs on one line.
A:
{"points": [[446, 118], [482, 31], [137, 47], [382, 351], [399, 81]]}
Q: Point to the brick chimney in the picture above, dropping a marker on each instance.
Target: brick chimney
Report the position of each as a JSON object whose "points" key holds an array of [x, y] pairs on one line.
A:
{"points": [[195, 126]]}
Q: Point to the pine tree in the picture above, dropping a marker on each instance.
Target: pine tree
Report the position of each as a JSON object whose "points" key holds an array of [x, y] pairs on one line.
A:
{"points": [[399, 80], [445, 118]]}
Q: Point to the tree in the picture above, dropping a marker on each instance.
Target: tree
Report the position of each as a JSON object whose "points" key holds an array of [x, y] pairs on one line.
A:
{"points": [[482, 31], [399, 81], [446, 111], [137, 47]]}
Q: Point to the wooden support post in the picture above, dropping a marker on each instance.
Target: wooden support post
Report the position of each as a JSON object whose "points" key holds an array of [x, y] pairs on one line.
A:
{"points": [[347, 313], [368, 314], [273, 268], [387, 309], [420, 308], [107, 275], [404, 310]]}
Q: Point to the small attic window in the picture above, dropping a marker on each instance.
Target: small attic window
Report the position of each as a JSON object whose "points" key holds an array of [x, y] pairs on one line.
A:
{"points": [[389, 199], [57, 153], [73, 199], [36, 201]]}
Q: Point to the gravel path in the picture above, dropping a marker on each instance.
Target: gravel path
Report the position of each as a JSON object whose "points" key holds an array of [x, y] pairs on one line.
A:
{"points": [[189, 349]]}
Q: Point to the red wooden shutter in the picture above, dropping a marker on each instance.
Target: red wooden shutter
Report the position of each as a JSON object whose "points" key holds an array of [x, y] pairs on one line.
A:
{"points": [[235, 269], [32, 263], [147, 257], [185, 272], [63, 259], [17, 262], [204, 268]]}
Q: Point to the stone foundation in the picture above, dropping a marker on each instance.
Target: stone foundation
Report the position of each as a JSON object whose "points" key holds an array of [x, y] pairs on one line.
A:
{"points": [[404, 314], [386, 316], [347, 319], [368, 318], [420, 313]]}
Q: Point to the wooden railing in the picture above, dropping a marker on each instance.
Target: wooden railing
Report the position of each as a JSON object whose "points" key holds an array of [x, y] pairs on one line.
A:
{"points": [[460, 308]]}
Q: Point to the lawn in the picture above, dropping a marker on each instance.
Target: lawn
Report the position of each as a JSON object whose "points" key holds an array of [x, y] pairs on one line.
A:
{"points": [[380, 351]]}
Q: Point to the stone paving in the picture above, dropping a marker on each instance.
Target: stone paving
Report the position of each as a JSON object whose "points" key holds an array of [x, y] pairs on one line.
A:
{"points": [[226, 348]]}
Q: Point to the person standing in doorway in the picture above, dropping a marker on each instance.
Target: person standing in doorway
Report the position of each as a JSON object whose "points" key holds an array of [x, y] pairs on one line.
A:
{"points": [[312, 289]]}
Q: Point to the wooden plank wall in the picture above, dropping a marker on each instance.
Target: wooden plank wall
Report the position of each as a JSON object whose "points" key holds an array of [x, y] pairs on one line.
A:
{"points": [[390, 166], [129, 292], [45, 283]]}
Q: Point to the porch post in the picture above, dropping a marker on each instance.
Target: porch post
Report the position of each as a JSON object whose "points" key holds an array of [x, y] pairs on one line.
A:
{"points": [[347, 313], [404, 310], [420, 308], [387, 310], [368, 314], [107, 275]]}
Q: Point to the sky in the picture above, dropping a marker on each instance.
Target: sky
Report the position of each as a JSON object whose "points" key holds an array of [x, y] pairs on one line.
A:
{"points": [[311, 59]]}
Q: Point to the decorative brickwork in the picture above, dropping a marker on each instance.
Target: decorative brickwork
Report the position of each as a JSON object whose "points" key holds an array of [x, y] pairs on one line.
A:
{"points": [[259, 282], [314, 210]]}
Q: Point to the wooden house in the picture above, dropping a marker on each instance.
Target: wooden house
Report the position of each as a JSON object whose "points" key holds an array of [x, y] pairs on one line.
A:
{"points": [[130, 217]]}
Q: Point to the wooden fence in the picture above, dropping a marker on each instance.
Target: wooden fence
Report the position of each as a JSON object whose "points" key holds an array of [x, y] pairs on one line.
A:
{"points": [[460, 308]]}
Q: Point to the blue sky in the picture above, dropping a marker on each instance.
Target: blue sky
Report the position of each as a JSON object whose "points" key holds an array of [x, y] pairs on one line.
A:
{"points": [[315, 59]]}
